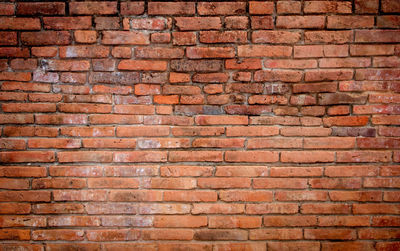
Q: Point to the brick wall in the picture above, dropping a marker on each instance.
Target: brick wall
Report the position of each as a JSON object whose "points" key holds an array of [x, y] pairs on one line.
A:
{"points": [[269, 125]]}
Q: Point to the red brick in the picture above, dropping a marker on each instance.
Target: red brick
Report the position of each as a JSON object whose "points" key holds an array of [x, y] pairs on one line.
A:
{"points": [[107, 23], [389, 6], [162, 38], [88, 131], [336, 183], [327, 7], [54, 143], [380, 208], [7, 96], [112, 234], [15, 208], [264, 51], [383, 221], [223, 37], [350, 171], [389, 171], [239, 246], [242, 76], [324, 75], [388, 21], [85, 156], [134, 109], [295, 22], [67, 23], [93, 8], [366, 6], [275, 37], [185, 156], [180, 221], [44, 51], [335, 37], [324, 208], [158, 52], [276, 234], [377, 74], [261, 8], [385, 61], [190, 196], [121, 52], [339, 110], [140, 156], [268, 183], [210, 52], [27, 156], [234, 222], [7, 9], [381, 182], [8, 38], [381, 246], [386, 120], [378, 143], [30, 196], [163, 208], [346, 121], [170, 8], [223, 183], [330, 234], [125, 37], [16, 76], [134, 195], [178, 171], [50, 8], [112, 183], [308, 51], [44, 97], [308, 156], [364, 156], [132, 8], [142, 65], [376, 36], [274, 143], [278, 75], [236, 22], [85, 36], [14, 234], [63, 246], [285, 221], [348, 245], [209, 208], [246, 196], [262, 22], [251, 156], [275, 208], [46, 38], [295, 171], [288, 7], [183, 38], [347, 22], [19, 23], [198, 23], [196, 65], [14, 183], [219, 235], [14, 52], [382, 233], [369, 50]]}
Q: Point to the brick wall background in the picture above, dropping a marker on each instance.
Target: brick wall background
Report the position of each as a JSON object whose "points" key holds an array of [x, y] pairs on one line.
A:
{"points": [[268, 125]]}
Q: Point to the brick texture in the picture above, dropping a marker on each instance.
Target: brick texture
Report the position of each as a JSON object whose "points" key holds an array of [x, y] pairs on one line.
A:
{"points": [[190, 125]]}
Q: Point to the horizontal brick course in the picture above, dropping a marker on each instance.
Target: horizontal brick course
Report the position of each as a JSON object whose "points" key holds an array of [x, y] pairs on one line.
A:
{"points": [[200, 125]]}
